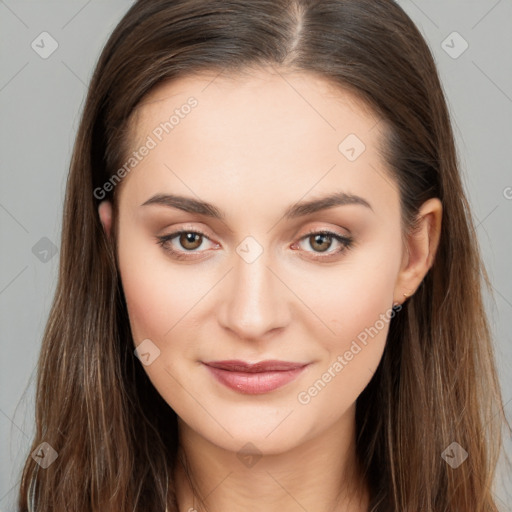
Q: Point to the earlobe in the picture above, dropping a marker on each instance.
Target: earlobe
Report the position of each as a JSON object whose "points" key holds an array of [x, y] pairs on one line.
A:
{"points": [[105, 213], [421, 250]]}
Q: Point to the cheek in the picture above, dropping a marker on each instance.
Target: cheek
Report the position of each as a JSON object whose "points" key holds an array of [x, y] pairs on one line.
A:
{"points": [[157, 300], [352, 358], [351, 297], [148, 298], [158, 295], [355, 303]]}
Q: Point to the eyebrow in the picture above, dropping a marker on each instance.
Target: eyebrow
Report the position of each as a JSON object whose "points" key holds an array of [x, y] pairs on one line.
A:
{"points": [[187, 204]]}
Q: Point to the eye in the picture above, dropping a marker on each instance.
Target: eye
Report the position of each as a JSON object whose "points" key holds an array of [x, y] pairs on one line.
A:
{"points": [[189, 240], [322, 241]]}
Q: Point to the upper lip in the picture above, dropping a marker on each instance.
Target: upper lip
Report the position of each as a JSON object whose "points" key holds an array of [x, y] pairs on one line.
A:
{"points": [[261, 366]]}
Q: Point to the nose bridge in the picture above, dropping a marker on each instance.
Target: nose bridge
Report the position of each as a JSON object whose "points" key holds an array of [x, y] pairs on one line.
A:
{"points": [[255, 301]]}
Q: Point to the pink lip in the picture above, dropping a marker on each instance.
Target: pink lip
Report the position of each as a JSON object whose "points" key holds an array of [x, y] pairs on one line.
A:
{"points": [[255, 378]]}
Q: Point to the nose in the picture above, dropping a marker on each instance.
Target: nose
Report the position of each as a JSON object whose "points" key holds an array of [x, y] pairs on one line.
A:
{"points": [[254, 301]]}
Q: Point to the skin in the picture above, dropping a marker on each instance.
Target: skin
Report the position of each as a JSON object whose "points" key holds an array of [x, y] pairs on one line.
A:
{"points": [[256, 144]]}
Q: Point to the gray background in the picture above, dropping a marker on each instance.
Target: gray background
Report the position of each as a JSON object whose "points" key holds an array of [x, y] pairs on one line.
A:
{"points": [[40, 102]]}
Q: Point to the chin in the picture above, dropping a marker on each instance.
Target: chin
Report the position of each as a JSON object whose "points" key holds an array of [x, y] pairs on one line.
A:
{"points": [[274, 433]]}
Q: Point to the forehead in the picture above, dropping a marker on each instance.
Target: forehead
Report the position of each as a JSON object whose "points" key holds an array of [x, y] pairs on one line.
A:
{"points": [[265, 94], [261, 132]]}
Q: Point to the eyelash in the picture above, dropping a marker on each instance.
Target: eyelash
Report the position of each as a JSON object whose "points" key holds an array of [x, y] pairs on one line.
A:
{"points": [[163, 240]]}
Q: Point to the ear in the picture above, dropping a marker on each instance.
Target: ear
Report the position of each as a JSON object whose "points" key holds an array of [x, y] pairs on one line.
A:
{"points": [[105, 213], [420, 250]]}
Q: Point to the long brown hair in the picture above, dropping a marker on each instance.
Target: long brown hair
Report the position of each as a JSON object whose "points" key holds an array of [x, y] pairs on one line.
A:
{"points": [[115, 437]]}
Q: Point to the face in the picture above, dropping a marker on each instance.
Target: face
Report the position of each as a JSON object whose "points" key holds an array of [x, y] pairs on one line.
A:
{"points": [[258, 274]]}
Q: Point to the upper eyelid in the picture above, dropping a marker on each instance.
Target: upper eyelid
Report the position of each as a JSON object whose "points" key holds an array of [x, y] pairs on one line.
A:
{"points": [[189, 227]]}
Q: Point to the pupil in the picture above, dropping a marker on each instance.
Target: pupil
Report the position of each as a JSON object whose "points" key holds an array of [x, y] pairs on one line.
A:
{"points": [[318, 239], [190, 238]]}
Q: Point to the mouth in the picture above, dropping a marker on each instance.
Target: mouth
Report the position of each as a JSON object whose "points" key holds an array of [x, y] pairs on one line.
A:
{"points": [[255, 378]]}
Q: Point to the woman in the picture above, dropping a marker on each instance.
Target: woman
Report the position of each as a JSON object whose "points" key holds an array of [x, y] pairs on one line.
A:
{"points": [[270, 285]]}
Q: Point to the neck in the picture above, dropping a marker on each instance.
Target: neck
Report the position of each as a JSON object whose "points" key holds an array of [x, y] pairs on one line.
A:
{"points": [[320, 474]]}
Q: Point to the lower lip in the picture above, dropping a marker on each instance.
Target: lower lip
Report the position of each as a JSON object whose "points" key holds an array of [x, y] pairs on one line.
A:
{"points": [[255, 383]]}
